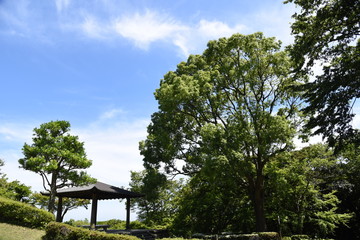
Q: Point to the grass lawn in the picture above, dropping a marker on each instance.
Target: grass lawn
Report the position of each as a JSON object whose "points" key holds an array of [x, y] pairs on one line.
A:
{"points": [[13, 232]]}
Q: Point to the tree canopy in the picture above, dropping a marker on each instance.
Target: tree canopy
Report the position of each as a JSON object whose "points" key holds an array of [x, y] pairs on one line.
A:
{"points": [[57, 157], [327, 33], [233, 106]]}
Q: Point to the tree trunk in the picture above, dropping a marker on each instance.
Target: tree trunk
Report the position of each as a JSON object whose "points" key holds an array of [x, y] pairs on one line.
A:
{"points": [[257, 195], [51, 204]]}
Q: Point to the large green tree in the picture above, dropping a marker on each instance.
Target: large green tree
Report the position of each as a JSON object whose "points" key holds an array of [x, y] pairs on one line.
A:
{"points": [[231, 105], [57, 157], [327, 32]]}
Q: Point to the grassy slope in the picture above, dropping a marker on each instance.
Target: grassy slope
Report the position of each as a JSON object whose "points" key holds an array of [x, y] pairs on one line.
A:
{"points": [[12, 232]]}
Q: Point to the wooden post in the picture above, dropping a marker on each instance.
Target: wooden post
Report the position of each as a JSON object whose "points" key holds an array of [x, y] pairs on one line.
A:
{"points": [[127, 213], [93, 211], [59, 210]]}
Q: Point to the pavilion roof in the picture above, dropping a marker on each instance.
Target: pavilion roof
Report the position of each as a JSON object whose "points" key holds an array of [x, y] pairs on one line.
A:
{"points": [[101, 190]]}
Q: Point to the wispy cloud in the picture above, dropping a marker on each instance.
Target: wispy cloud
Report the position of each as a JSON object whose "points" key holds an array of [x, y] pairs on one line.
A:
{"points": [[141, 27], [195, 39], [111, 114], [62, 4], [144, 29]]}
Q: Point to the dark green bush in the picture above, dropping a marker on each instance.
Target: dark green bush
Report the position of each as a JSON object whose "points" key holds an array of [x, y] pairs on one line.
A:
{"points": [[299, 237], [269, 236], [18, 213], [62, 231], [253, 236]]}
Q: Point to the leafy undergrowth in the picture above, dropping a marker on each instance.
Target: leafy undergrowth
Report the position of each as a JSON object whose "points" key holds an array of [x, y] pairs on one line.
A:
{"points": [[13, 232]]}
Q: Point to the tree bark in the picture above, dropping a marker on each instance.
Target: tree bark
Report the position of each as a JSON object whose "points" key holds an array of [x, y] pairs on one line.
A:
{"points": [[59, 210], [257, 193], [51, 205]]}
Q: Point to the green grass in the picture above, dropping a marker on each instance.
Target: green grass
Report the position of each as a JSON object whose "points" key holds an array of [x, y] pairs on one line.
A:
{"points": [[13, 232]]}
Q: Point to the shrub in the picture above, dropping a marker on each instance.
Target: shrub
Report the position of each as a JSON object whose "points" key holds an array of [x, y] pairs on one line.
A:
{"points": [[62, 231], [18, 213], [253, 236], [269, 236], [299, 237]]}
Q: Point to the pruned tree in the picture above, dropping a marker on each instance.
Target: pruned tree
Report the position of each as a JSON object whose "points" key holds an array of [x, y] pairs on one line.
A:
{"points": [[57, 157]]}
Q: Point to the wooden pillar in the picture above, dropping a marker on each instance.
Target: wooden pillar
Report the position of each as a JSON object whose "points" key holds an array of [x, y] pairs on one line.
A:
{"points": [[59, 210], [127, 213], [93, 211]]}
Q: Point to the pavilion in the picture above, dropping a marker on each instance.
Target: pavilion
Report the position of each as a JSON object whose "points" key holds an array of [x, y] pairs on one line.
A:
{"points": [[95, 192]]}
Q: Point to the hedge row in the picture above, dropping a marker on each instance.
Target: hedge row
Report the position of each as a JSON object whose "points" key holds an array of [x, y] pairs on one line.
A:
{"points": [[306, 237], [18, 213], [253, 236], [61, 231]]}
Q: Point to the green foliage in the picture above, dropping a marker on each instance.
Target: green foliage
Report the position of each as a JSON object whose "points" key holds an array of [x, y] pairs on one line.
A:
{"points": [[75, 223], [57, 156], [1, 165], [61, 231], [269, 236], [299, 237], [229, 108], [212, 205], [23, 214], [120, 224], [253, 236], [157, 207], [327, 32], [348, 190], [301, 192], [14, 190], [41, 201]]}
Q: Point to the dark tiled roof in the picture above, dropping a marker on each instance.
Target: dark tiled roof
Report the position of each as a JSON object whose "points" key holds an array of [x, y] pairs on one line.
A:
{"points": [[102, 191]]}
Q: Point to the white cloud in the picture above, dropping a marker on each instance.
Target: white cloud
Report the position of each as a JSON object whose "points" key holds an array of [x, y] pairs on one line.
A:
{"points": [[144, 29], [15, 133], [15, 16], [93, 28], [273, 22], [194, 40], [62, 4], [105, 20], [114, 149], [111, 114], [217, 29]]}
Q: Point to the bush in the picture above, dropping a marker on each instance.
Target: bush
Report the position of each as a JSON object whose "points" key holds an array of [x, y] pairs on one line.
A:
{"points": [[299, 237], [269, 236], [253, 236], [18, 213], [62, 231]]}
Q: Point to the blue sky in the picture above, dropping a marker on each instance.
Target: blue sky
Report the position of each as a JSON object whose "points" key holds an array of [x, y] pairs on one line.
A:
{"points": [[96, 63]]}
